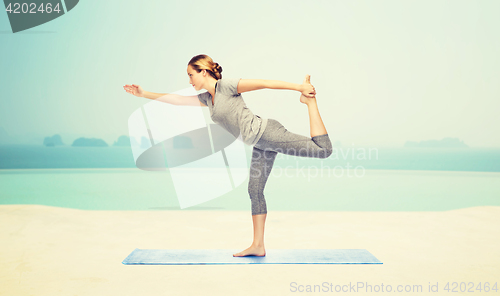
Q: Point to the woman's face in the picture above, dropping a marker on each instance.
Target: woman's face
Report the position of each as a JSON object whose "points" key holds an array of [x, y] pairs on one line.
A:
{"points": [[195, 79]]}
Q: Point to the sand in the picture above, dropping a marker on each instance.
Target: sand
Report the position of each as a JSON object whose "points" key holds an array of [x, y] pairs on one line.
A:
{"points": [[59, 251]]}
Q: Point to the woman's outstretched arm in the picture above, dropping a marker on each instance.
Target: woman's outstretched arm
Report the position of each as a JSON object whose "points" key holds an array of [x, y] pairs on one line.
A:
{"points": [[152, 95], [173, 99], [254, 84]]}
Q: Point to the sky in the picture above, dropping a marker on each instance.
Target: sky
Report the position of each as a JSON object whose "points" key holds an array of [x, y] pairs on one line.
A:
{"points": [[385, 72]]}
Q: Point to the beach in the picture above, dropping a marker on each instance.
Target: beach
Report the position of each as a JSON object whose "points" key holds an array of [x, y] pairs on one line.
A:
{"points": [[49, 250]]}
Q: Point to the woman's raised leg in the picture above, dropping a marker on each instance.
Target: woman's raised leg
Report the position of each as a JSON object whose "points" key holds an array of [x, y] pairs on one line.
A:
{"points": [[277, 138], [316, 124]]}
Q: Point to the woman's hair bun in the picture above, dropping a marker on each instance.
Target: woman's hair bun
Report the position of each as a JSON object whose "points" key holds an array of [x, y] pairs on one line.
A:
{"points": [[217, 68]]}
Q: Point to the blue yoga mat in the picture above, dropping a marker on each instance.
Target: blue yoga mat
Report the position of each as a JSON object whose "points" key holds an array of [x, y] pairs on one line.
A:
{"points": [[273, 256]]}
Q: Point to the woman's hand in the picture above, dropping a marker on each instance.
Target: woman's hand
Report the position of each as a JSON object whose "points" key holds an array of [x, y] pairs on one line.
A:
{"points": [[134, 89], [307, 89]]}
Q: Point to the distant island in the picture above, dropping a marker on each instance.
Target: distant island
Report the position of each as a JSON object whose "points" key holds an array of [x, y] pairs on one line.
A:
{"points": [[132, 141], [55, 140], [180, 142], [444, 143], [122, 141], [86, 142]]}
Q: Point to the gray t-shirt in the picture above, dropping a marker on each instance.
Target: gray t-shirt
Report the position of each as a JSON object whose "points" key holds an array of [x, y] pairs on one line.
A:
{"points": [[231, 112]]}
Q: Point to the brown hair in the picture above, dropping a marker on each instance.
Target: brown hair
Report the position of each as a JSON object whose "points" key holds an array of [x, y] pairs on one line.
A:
{"points": [[204, 62]]}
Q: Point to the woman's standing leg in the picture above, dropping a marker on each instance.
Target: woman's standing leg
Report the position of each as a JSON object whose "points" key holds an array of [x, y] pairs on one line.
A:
{"points": [[260, 168]]}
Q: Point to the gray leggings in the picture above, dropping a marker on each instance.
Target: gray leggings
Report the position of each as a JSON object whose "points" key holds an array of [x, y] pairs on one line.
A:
{"points": [[276, 138]]}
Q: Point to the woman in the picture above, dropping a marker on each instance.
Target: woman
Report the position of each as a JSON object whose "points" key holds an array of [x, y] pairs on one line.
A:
{"points": [[268, 136]]}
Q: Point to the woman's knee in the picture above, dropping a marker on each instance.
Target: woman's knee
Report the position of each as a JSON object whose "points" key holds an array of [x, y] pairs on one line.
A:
{"points": [[254, 187], [327, 152], [324, 142]]}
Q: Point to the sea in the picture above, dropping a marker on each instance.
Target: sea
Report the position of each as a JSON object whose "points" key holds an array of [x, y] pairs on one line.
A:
{"points": [[351, 179]]}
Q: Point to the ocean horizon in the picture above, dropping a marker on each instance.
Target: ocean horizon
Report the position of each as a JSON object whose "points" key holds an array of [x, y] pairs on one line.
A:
{"points": [[440, 159]]}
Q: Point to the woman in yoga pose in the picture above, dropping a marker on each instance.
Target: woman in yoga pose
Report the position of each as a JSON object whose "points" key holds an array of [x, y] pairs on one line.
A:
{"points": [[267, 136]]}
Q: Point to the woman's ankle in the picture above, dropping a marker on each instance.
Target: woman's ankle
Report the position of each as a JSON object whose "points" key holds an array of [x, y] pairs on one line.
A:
{"points": [[258, 244], [311, 102]]}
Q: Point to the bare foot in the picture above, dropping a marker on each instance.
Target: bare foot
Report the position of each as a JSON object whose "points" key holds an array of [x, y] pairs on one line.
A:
{"points": [[306, 100], [252, 251], [309, 89]]}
